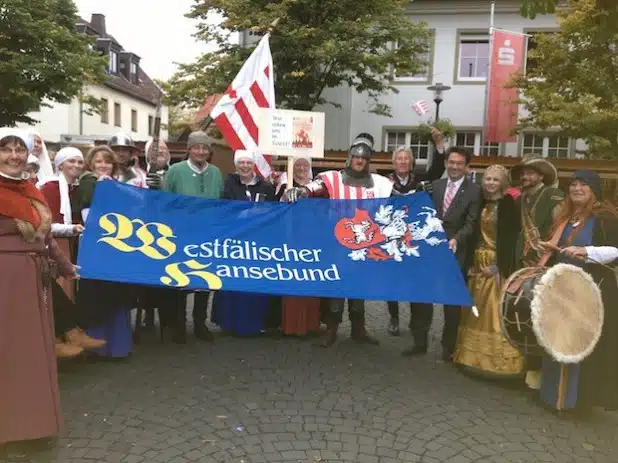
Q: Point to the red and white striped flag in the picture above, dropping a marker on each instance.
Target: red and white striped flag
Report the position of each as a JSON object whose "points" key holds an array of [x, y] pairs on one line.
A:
{"points": [[253, 87], [421, 107]]}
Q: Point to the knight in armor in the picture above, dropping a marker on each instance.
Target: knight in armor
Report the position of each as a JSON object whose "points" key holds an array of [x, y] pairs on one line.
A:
{"points": [[354, 182], [125, 152]]}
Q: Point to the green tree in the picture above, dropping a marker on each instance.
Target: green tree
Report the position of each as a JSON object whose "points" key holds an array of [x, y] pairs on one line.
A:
{"points": [[42, 57], [573, 85], [180, 119], [531, 8], [317, 45]]}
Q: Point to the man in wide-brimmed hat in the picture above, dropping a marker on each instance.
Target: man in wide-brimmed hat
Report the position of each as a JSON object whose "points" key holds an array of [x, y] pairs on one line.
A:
{"points": [[540, 201], [539, 204]]}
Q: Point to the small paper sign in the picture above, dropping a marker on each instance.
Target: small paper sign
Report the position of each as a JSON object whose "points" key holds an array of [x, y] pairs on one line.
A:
{"points": [[285, 132]]}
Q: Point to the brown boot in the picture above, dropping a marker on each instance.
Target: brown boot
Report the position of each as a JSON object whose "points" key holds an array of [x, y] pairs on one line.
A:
{"points": [[329, 337], [64, 350], [359, 333], [78, 337]]}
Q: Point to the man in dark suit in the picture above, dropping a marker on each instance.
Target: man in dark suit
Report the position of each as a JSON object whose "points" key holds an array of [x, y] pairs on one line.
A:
{"points": [[457, 200]]}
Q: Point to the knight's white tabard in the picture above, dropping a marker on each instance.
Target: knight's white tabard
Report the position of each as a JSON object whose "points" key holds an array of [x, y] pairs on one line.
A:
{"points": [[382, 187]]}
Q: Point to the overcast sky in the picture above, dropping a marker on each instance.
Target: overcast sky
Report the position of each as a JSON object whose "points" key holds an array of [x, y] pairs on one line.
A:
{"points": [[157, 31]]}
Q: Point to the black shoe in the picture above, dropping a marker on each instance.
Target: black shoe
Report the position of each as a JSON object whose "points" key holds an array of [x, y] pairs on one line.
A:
{"points": [[415, 350], [447, 357], [203, 333]]}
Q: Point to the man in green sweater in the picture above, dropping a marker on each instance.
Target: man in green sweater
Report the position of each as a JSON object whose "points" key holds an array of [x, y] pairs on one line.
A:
{"points": [[194, 177]]}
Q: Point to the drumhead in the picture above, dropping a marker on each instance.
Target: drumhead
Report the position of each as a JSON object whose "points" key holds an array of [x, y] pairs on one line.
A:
{"points": [[567, 313]]}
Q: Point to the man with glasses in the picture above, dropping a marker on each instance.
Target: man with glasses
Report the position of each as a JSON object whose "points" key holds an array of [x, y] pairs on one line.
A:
{"points": [[195, 177]]}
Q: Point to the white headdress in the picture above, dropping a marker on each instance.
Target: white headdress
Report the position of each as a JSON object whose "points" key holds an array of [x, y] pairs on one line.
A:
{"points": [[63, 155], [11, 132], [283, 179], [46, 169], [243, 154]]}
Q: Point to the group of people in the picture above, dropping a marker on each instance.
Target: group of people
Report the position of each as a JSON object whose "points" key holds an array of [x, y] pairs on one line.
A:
{"points": [[514, 220], [493, 230]]}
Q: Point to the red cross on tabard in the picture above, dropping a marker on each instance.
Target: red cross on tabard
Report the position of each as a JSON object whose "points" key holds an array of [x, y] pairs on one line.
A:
{"points": [[231, 93]]}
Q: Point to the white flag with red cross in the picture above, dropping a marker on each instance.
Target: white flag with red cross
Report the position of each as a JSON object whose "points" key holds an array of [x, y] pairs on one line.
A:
{"points": [[421, 107], [235, 113]]}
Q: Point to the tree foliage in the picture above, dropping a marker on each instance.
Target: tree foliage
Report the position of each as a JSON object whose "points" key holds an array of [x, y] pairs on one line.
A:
{"points": [[444, 125], [531, 8], [574, 82], [317, 45], [179, 120], [42, 57]]}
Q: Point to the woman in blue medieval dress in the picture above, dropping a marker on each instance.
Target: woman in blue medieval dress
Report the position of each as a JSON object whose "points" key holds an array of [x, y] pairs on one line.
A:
{"points": [[108, 303], [589, 240], [245, 314]]}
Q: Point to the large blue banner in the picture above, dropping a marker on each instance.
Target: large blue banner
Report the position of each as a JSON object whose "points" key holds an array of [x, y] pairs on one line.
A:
{"points": [[379, 249]]}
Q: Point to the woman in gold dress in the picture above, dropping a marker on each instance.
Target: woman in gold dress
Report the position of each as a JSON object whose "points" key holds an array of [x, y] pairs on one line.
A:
{"points": [[481, 346]]}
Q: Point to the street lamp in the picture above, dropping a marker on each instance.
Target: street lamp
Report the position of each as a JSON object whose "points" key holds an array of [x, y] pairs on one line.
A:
{"points": [[437, 96]]}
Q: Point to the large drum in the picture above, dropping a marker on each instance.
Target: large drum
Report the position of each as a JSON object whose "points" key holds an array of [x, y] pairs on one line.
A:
{"points": [[516, 313], [567, 313], [558, 311]]}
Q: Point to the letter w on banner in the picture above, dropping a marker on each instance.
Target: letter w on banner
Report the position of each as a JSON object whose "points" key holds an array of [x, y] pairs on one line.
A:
{"points": [[253, 87], [507, 59]]}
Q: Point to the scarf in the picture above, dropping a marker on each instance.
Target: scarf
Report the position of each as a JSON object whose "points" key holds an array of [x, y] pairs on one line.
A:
{"points": [[65, 200], [15, 200]]}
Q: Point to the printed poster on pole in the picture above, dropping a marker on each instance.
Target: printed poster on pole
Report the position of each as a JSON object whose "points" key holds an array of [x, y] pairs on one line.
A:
{"points": [[284, 132]]}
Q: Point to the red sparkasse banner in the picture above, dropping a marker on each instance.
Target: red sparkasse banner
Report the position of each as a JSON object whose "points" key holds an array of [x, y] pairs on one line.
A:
{"points": [[507, 59]]}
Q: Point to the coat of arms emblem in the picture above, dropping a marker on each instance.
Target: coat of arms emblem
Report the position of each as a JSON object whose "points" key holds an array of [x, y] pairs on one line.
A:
{"points": [[389, 234]]}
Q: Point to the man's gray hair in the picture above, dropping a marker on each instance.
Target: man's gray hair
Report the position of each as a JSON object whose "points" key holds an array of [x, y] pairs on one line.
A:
{"points": [[404, 149]]}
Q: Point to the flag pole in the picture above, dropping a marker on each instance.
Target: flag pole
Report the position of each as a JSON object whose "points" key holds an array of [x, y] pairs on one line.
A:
{"points": [[205, 123], [487, 81]]}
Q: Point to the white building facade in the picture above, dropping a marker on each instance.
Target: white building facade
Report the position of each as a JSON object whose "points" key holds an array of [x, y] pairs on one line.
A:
{"points": [[129, 95], [459, 58]]}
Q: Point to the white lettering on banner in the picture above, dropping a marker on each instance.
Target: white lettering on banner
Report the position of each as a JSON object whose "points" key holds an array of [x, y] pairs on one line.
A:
{"points": [[278, 273], [250, 251]]}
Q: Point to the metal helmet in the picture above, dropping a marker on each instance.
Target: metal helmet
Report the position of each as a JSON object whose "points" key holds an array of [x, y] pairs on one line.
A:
{"points": [[362, 146], [121, 139]]}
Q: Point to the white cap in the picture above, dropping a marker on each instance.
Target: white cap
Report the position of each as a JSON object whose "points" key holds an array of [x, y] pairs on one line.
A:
{"points": [[243, 154], [67, 153]]}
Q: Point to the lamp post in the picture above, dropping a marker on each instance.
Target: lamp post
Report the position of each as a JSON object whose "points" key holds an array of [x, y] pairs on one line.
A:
{"points": [[437, 90]]}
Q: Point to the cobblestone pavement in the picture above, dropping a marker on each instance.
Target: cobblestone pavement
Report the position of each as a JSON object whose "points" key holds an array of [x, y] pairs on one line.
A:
{"points": [[282, 400]]}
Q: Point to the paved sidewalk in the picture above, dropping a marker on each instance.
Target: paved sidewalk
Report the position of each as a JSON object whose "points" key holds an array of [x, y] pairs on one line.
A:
{"points": [[282, 400]]}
